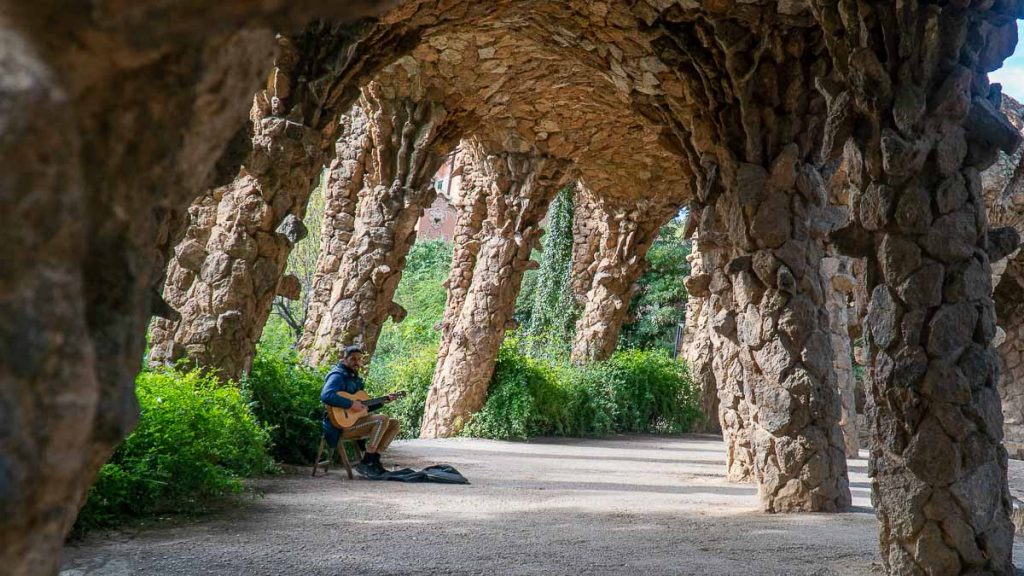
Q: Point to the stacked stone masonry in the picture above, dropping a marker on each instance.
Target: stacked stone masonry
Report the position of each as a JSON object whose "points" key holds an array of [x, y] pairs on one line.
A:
{"points": [[517, 189], [625, 236], [341, 185], [409, 138], [115, 130], [224, 275], [938, 464]]}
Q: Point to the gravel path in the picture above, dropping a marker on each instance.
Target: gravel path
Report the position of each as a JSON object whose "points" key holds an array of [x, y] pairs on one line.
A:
{"points": [[624, 505]]}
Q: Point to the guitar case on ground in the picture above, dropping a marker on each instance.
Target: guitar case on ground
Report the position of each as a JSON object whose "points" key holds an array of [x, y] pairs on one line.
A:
{"points": [[439, 473]]}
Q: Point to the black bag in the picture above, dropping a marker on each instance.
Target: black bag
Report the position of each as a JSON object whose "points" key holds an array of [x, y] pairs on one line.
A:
{"points": [[439, 473]]}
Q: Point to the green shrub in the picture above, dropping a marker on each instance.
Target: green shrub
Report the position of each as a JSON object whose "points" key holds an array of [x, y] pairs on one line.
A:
{"points": [[650, 391], [413, 375], [634, 391], [285, 396], [423, 295], [195, 440]]}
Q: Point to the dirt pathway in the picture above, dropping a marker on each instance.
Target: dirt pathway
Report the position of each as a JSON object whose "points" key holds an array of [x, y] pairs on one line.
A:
{"points": [[626, 505]]}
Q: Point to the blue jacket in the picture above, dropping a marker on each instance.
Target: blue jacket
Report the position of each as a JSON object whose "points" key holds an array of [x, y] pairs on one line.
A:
{"points": [[341, 378]]}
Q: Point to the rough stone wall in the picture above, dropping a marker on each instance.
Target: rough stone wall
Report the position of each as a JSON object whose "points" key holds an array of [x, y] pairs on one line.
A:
{"points": [[519, 189], [471, 207], [918, 129], [626, 236], [696, 347], [410, 137], [1003, 185], [838, 279]]}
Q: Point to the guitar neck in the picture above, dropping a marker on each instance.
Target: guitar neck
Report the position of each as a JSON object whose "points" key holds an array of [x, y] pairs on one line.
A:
{"points": [[374, 402]]}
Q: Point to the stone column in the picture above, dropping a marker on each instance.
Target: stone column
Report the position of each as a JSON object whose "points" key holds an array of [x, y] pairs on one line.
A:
{"points": [[409, 142], [621, 260], [224, 275], [344, 179], [696, 348], [520, 188], [773, 310], [471, 205], [588, 227], [839, 282], [103, 149], [923, 124]]}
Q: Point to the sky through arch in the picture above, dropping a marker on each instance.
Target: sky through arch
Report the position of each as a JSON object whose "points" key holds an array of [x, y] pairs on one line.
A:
{"points": [[1011, 75]]}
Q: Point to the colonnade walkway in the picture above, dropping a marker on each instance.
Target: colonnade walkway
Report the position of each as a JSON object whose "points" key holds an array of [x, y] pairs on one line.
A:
{"points": [[622, 505]]}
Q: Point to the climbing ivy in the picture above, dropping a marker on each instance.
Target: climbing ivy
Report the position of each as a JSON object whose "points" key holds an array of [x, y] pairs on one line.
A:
{"points": [[548, 311]]}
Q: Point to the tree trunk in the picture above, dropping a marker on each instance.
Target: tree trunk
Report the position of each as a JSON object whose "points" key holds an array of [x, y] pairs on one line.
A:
{"points": [[409, 143], [926, 125], [521, 187]]}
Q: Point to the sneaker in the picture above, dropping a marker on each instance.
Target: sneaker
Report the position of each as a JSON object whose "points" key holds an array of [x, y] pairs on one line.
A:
{"points": [[378, 467]]}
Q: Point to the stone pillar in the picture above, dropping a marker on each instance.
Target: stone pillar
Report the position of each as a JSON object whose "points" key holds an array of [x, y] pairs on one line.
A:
{"points": [[696, 348], [626, 237], [839, 282], [103, 149], [224, 275], [773, 309], [588, 227], [520, 188], [471, 205], [344, 179], [409, 140], [923, 124]]}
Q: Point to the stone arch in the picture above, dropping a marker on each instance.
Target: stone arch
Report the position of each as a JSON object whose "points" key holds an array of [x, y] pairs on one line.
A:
{"points": [[726, 86]]}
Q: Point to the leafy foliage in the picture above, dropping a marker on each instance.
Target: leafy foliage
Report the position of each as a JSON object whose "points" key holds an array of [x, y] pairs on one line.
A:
{"points": [[634, 391], [285, 396], [423, 295], [660, 303], [195, 440], [550, 319]]}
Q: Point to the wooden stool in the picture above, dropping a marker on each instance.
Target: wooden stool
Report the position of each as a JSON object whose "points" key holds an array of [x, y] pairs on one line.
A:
{"points": [[341, 452]]}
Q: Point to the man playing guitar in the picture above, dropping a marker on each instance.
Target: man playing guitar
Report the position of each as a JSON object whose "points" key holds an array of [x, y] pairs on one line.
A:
{"points": [[377, 430]]}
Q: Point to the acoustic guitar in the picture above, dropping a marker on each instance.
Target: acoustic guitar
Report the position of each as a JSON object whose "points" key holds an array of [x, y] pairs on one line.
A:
{"points": [[343, 418]]}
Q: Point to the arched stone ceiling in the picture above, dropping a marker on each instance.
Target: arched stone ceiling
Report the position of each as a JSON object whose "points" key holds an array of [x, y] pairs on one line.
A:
{"points": [[583, 80], [525, 95]]}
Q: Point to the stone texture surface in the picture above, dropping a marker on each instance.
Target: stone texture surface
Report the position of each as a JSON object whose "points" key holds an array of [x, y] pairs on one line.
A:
{"points": [[409, 137], [224, 275], [116, 118], [587, 230], [119, 116], [938, 466], [626, 233], [757, 212], [839, 280], [341, 185], [517, 189], [1003, 185]]}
